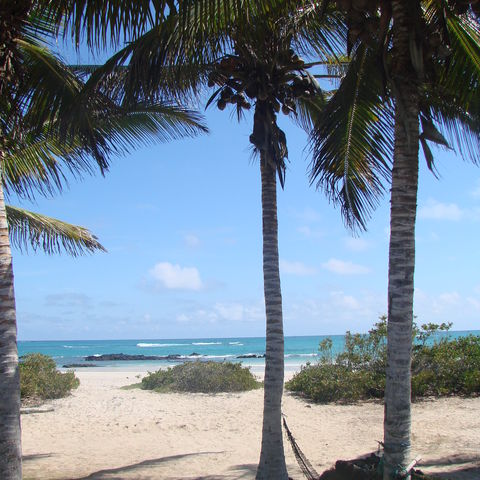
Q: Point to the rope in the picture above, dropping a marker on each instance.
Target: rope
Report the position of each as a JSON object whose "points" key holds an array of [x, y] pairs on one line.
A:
{"points": [[302, 461]]}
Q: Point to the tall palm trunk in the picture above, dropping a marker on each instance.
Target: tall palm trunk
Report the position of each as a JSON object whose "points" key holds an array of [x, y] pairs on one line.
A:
{"points": [[10, 441], [397, 420], [12, 17], [272, 458]]}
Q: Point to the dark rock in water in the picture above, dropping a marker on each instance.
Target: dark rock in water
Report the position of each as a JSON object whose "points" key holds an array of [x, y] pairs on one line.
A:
{"points": [[78, 365], [124, 357], [251, 355], [195, 354]]}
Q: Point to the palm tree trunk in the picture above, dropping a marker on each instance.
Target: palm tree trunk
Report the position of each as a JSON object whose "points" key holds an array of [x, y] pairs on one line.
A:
{"points": [[397, 419], [272, 457], [10, 440]]}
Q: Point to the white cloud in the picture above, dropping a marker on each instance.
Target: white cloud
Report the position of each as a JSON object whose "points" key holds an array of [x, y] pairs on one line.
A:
{"points": [[449, 298], [233, 311], [69, 299], [308, 215], [474, 303], [440, 211], [182, 318], [349, 302], [296, 268], [238, 312], [356, 244], [334, 312], [345, 268], [308, 232], [191, 240], [475, 193], [223, 312], [447, 306], [441, 304], [175, 277]]}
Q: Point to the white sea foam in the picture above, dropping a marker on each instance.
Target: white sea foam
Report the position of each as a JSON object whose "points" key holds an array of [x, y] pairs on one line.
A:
{"points": [[218, 356], [235, 343], [289, 355], [206, 343], [148, 345]]}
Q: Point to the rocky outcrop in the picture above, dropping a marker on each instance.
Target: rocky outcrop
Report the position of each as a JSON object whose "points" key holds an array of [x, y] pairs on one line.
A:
{"points": [[78, 365]]}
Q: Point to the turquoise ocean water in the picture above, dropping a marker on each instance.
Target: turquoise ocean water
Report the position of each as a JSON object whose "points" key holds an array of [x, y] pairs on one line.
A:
{"points": [[298, 350]]}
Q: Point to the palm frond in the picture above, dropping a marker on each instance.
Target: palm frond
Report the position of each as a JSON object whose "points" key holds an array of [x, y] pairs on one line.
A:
{"points": [[352, 144], [68, 125], [37, 164], [320, 30], [104, 22], [39, 232], [463, 66], [459, 123], [453, 102], [309, 110]]}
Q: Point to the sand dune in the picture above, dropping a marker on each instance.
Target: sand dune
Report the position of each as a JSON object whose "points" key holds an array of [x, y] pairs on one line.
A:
{"points": [[104, 432]]}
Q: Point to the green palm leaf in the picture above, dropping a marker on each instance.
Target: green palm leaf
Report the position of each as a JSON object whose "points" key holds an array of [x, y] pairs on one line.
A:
{"points": [[353, 141], [33, 230], [69, 126]]}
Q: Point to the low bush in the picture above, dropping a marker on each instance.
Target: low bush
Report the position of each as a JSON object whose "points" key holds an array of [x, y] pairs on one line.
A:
{"points": [[202, 377], [440, 366], [448, 367], [40, 379]]}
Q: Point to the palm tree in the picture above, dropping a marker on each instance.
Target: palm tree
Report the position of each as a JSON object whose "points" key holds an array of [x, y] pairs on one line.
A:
{"points": [[77, 129], [429, 65], [250, 57]]}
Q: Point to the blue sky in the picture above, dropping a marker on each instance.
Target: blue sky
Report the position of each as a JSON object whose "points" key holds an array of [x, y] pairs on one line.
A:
{"points": [[182, 225]]}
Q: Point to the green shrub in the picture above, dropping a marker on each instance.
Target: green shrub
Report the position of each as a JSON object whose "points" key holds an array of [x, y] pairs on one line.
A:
{"points": [[202, 377], [440, 366], [450, 366], [39, 378], [329, 383]]}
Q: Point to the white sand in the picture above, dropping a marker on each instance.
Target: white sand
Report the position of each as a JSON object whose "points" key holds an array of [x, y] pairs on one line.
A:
{"points": [[103, 432]]}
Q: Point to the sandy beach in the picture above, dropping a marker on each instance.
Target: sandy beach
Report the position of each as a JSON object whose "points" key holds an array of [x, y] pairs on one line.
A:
{"points": [[104, 432]]}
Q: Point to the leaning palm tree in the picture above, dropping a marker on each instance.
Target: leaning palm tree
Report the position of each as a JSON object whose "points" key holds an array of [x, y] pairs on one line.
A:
{"points": [[428, 67], [250, 58], [76, 130]]}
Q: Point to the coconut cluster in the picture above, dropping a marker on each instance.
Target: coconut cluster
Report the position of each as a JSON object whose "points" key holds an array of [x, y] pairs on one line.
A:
{"points": [[363, 19], [12, 18], [462, 6], [368, 21], [277, 81]]}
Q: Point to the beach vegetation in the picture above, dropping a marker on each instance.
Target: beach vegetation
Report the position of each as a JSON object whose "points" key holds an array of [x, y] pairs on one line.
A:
{"points": [[440, 366], [202, 377], [40, 379]]}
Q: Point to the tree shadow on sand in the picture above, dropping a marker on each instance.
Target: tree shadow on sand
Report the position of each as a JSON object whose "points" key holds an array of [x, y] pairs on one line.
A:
{"points": [[238, 472], [117, 473], [460, 467], [36, 456]]}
